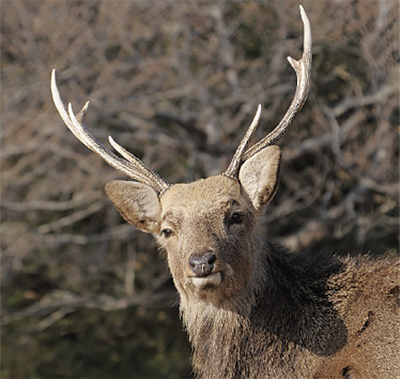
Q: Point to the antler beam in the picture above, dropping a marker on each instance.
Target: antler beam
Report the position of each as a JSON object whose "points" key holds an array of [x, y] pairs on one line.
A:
{"points": [[130, 166], [303, 71]]}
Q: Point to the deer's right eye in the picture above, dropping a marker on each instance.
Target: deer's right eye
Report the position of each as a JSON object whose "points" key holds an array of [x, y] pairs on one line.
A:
{"points": [[167, 232], [236, 218]]}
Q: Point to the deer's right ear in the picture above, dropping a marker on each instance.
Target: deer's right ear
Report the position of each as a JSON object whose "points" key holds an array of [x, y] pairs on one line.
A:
{"points": [[138, 204], [259, 176]]}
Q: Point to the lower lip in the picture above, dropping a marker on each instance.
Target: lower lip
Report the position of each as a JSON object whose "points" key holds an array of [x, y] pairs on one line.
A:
{"points": [[213, 280]]}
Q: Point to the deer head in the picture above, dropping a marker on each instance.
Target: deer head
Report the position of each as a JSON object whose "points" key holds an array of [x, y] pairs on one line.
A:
{"points": [[208, 227]]}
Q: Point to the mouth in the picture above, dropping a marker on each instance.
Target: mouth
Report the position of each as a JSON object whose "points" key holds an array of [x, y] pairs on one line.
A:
{"points": [[203, 282]]}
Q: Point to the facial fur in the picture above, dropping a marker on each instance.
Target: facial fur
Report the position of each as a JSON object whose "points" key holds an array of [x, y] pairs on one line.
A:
{"points": [[210, 216]]}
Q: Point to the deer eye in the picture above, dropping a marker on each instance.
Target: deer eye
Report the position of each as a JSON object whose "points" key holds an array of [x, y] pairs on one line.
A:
{"points": [[236, 218], [167, 232]]}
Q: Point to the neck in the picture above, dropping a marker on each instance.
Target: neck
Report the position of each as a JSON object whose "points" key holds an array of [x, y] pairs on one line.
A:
{"points": [[283, 309]]}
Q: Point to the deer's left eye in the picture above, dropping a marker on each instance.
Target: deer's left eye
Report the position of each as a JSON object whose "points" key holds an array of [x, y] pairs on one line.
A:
{"points": [[167, 233], [236, 218]]}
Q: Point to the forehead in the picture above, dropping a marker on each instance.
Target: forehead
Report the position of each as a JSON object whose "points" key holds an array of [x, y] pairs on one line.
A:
{"points": [[213, 190]]}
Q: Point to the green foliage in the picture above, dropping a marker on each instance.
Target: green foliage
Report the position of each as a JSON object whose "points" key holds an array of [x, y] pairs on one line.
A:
{"points": [[135, 342]]}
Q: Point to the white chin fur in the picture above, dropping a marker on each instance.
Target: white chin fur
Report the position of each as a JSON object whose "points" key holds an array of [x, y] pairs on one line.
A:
{"points": [[213, 279]]}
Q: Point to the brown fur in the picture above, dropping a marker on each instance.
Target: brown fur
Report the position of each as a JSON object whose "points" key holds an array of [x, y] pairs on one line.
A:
{"points": [[276, 314]]}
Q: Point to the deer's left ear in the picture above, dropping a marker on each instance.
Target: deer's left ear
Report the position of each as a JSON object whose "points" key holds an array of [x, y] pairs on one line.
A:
{"points": [[259, 176]]}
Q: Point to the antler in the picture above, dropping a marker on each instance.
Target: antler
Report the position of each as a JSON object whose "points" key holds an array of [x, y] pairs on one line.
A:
{"points": [[233, 168], [136, 169], [131, 165], [303, 69]]}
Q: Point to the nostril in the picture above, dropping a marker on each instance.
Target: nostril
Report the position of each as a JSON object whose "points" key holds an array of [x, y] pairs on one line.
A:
{"points": [[211, 258], [193, 262]]}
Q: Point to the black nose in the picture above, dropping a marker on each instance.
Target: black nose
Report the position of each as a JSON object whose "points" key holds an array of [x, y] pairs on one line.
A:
{"points": [[202, 265]]}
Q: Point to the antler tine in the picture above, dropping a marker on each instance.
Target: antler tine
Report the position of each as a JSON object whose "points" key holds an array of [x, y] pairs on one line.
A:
{"points": [[133, 168], [233, 168], [137, 162], [303, 70]]}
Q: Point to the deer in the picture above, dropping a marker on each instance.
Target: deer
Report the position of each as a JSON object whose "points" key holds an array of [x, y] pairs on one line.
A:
{"points": [[253, 309]]}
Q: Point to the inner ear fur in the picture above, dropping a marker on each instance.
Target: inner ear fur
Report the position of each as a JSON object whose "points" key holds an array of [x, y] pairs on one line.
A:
{"points": [[137, 203], [259, 176]]}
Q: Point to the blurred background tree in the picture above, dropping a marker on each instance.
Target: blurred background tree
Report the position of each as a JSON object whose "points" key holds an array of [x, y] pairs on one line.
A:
{"points": [[177, 83]]}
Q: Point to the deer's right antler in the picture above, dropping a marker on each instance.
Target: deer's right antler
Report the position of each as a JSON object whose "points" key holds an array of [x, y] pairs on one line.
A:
{"points": [[303, 69], [131, 165]]}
